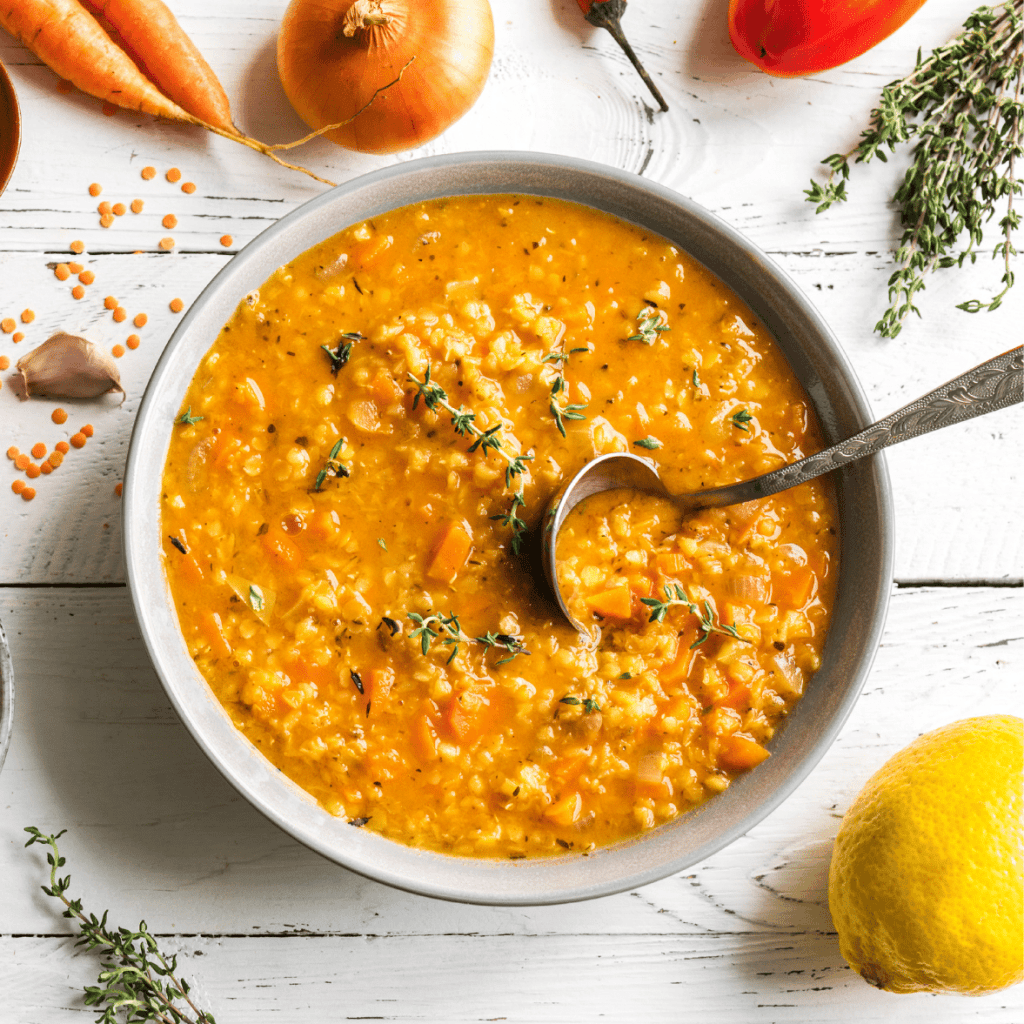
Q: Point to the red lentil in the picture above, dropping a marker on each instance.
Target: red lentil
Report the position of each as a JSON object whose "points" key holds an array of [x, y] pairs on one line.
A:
{"points": [[149, 173], [45, 468], [87, 277], [77, 247], [21, 461], [28, 494], [188, 188], [27, 316], [16, 337], [38, 450], [137, 205], [95, 189], [226, 240], [61, 272], [56, 457], [75, 268], [32, 471], [167, 243], [8, 324], [141, 320], [12, 453], [78, 292], [106, 220], [18, 486], [59, 415], [120, 209], [120, 315], [4, 362], [170, 221], [132, 341], [173, 175], [104, 208], [78, 440], [110, 302], [62, 446], [117, 351], [176, 305], [118, 488], [88, 430]]}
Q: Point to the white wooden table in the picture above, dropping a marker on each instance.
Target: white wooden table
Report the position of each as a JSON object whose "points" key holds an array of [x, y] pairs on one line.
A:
{"points": [[267, 930]]}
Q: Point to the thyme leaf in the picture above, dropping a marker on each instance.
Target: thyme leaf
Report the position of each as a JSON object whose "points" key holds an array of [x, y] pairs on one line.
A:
{"points": [[650, 443], [568, 411], [135, 977], [332, 467], [340, 356], [676, 596], [448, 630], [741, 419], [650, 322], [188, 419], [963, 105]]}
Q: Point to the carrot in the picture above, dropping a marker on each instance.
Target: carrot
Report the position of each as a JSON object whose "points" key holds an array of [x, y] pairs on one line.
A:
{"points": [[151, 35], [69, 40], [739, 752], [614, 603], [451, 550]]}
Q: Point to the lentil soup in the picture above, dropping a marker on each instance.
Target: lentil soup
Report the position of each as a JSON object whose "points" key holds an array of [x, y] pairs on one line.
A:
{"points": [[350, 482]]}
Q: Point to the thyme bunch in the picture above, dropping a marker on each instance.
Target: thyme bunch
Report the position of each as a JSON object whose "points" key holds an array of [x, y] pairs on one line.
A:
{"points": [[676, 596], [964, 106], [137, 979], [448, 630], [435, 397], [570, 410]]}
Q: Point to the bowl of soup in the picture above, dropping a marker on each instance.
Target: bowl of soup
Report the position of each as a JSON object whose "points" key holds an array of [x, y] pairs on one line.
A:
{"points": [[336, 481]]}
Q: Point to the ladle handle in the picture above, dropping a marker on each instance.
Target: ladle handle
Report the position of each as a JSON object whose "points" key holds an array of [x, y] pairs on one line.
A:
{"points": [[988, 387]]}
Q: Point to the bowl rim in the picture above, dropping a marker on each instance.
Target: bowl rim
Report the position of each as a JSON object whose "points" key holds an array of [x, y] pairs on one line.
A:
{"points": [[8, 95], [571, 877]]}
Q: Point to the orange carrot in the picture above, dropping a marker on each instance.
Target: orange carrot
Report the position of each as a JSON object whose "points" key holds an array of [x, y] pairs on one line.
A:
{"points": [[740, 752], [614, 603], [151, 35], [451, 550], [67, 38]]}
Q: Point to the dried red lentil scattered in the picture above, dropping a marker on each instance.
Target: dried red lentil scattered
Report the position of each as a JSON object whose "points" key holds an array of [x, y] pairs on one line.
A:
{"points": [[16, 337], [120, 209], [110, 302], [226, 240], [28, 494], [62, 447], [120, 315], [78, 440], [45, 468], [106, 220], [56, 457], [77, 247], [117, 351], [174, 175], [141, 320], [149, 173], [87, 430], [167, 243], [32, 471], [137, 205], [132, 341], [4, 362], [59, 415], [118, 488], [176, 305], [28, 315], [95, 189], [8, 324], [104, 207], [170, 221], [18, 486], [188, 187], [61, 272], [21, 461], [87, 277], [12, 453], [38, 450], [78, 292], [75, 268]]}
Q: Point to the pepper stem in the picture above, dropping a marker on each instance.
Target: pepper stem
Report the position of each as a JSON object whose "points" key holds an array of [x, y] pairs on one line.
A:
{"points": [[606, 14]]}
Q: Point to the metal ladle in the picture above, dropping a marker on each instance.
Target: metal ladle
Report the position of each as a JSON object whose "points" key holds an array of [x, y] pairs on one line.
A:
{"points": [[992, 385]]}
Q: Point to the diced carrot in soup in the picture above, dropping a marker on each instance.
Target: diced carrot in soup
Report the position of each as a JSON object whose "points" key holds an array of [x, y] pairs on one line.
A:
{"points": [[614, 603], [451, 550], [280, 548], [739, 752]]}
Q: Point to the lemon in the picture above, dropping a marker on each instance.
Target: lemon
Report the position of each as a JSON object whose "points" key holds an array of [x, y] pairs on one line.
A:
{"points": [[925, 885]]}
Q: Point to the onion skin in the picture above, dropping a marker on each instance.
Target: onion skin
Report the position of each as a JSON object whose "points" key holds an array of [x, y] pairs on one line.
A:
{"points": [[328, 76]]}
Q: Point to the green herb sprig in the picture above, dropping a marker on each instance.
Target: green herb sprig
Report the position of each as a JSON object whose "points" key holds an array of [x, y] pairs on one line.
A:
{"points": [[650, 443], [447, 629], [570, 410], [332, 467], [435, 397], [675, 596], [741, 419], [187, 418], [650, 322], [339, 356], [137, 980], [589, 704], [964, 106]]}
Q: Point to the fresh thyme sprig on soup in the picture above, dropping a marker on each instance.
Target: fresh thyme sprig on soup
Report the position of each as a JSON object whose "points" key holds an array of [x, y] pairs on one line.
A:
{"points": [[367, 443]]}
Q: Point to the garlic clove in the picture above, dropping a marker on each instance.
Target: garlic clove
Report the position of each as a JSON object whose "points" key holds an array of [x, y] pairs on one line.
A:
{"points": [[68, 366]]}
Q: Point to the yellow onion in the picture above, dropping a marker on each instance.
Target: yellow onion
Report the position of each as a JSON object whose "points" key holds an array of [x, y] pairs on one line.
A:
{"points": [[335, 55]]}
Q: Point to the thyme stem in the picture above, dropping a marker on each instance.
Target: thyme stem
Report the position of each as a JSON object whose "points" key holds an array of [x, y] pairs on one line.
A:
{"points": [[676, 596], [448, 629]]}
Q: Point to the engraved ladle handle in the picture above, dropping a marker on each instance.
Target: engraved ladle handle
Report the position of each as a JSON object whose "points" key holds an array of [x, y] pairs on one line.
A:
{"points": [[992, 385]]}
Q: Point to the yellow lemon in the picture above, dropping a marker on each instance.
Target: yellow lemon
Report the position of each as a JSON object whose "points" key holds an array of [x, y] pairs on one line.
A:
{"points": [[925, 885]]}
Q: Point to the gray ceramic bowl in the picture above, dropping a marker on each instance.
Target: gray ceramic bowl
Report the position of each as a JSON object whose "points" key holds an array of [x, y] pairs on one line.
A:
{"points": [[864, 499]]}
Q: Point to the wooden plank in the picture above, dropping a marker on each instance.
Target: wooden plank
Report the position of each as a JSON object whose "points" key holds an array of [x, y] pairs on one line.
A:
{"points": [[540, 979], [155, 831], [957, 524]]}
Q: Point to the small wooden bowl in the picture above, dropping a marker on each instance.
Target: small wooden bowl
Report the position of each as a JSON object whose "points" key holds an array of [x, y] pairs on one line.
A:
{"points": [[10, 128]]}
